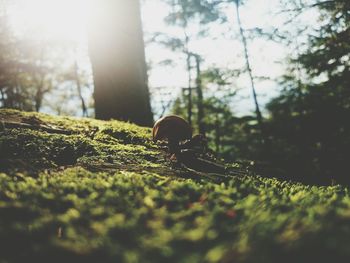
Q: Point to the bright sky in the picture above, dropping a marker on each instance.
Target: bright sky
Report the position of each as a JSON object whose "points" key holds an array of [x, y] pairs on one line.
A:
{"points": [[58, 19], [66, 19], [225, 51]]}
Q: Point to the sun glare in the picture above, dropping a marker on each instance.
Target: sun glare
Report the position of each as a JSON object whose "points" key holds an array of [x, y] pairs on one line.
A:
{"points": [[55, 19]]}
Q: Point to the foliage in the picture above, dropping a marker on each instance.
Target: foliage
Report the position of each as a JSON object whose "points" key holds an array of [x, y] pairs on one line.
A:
{"points": [[202, 11], [231, 137], [141, 212], [308, 128], [306, 132], [37, 71], [310, 134]]}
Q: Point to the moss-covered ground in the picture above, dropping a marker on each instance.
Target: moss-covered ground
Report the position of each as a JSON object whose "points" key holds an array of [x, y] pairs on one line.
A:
{"points": [[82, 190]]}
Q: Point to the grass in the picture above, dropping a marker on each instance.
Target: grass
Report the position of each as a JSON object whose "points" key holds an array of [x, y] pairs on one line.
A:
{"points": [[105, 193]]}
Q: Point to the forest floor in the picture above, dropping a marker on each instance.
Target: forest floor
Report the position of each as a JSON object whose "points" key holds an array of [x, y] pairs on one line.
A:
{"points": [[83, 190]]}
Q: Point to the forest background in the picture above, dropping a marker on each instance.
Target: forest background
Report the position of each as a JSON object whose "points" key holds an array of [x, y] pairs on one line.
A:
{"points": [[266, 81]]}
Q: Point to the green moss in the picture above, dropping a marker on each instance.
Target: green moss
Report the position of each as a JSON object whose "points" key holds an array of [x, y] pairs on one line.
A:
{"points": [[88, 143], [105, 193]]}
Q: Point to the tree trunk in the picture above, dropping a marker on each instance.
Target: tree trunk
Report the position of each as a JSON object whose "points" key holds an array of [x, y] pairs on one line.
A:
{"points": [[189, 88], [249, 70], [199, 89], [117, 56], [217, 135], [77, 81]]}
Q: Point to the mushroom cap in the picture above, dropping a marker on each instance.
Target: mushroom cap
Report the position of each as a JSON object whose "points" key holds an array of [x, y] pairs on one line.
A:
{"points": [[173, 128]]}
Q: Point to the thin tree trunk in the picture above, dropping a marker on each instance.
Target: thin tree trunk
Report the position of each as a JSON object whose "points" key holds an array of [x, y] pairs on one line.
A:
{"points": [[217, 134], [77, 81], [39, 92], [16, 101], [188, 64], [189, 88], [299, 76], [249, 70], [200, 117], [2, 100], [40, 88]]}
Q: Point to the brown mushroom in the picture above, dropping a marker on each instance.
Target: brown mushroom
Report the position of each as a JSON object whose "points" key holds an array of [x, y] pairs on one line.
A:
{"points": [[173, 129]]}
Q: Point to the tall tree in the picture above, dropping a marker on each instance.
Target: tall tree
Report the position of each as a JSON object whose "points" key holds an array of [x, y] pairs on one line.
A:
{"points": [[248, 67], [205, 12], [116, 50], [184, 14], [199, 89]]}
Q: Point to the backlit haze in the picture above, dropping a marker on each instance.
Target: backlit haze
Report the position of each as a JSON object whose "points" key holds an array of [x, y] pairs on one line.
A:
{"points": [[65, 20]]}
